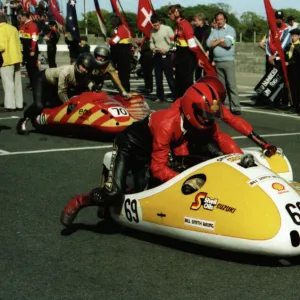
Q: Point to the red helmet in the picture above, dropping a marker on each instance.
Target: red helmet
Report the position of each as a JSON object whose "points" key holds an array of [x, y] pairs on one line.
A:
{"points": [[201, 105], [216, 84]]}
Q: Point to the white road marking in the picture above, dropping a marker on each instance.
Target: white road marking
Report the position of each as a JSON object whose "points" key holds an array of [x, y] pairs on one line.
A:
{"points": [[11, 117], [6, 153], [278, 113], [3, 152], [267, 135]]}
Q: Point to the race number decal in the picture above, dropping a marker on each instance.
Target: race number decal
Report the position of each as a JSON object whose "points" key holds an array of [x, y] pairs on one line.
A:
{"points": [[294, 212], [131, 211], [118, 112], [41, 119]]}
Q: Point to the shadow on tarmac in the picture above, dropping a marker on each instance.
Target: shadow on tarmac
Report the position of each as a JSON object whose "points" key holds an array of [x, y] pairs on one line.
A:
{"points": [[81, 133], [110, 227], [3, 127]]}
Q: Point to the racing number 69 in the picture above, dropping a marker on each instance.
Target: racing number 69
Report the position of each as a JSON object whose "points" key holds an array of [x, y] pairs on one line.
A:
{"points": [[131, 210], [294, 215]]}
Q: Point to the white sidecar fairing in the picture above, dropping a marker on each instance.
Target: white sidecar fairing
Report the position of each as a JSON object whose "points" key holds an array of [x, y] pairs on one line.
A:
{"points": [[252, 210]]}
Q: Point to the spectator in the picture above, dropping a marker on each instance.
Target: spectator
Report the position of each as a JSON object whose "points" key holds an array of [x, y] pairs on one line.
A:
{"points": [[147, 65], [292, 23], [7, 10], [293, 68], [283, 33], [161, 43], [120, 44], [74, 49], [10, 49], [202, 32], [84, 46], [187, 51], [213, 24], [222, 41], [52, 39], [15, 9], [29, 36]]}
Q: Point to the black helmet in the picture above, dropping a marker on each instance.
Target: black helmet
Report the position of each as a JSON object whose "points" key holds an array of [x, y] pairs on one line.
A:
{"points": [[86, 60], [104, 52]]}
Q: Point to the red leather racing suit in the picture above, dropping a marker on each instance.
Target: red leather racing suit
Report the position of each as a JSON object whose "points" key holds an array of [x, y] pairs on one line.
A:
{"points": [[167, 130]]}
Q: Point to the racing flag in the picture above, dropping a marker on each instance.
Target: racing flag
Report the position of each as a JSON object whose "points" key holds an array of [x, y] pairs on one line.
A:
{"points": [[276, 38], [100, 18], [54, 9], [145, 11], [72, 23], [26, 5], [117, 11]]}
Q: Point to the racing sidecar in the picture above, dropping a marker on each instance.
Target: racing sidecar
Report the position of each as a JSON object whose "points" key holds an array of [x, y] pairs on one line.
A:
{"points": [[107, 114], [246, 209]]}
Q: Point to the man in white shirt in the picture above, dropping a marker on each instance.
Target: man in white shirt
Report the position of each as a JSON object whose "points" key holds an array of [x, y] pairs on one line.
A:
{"points": [[161, 41]]}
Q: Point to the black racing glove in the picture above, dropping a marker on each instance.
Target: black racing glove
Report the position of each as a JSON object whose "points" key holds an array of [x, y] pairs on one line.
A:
{"points": [[269, 149]]}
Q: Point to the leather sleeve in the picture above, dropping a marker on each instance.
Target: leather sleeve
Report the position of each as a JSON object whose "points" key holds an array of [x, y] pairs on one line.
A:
{"points": [[34, 32], [237, 123], [122, 33], [225, 142], [160, 154], [181, 150]]}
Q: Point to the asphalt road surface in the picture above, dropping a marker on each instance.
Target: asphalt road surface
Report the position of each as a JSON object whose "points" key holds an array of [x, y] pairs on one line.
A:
{"points": [[39, 260]]}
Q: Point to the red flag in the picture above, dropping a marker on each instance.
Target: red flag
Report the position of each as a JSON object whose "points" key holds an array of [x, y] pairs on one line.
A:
{"points": [[55, 12], [26, 5], [273, 28], [100, 18], [118, 12], [145, 11]]}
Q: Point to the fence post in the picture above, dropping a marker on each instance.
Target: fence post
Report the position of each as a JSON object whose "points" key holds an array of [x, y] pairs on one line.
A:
{"points": [[241, 37], [254, 37]]}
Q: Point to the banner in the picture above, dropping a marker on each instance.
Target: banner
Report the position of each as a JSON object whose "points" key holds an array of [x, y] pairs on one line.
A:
{"points": [[270, 83], [100, 18], [72, 22], [273, 28], [145, 11]]}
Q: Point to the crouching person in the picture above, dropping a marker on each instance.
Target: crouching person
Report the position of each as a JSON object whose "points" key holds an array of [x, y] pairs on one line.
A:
{"points": [[52, 86], [150, 141]]}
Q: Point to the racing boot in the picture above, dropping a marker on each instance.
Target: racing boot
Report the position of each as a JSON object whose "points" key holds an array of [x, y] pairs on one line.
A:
{"points": [[21, 126], [69, 213]]}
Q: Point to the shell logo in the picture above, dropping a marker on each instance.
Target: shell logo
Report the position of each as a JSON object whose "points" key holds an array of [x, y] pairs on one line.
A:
{"points": [[278, 186]]}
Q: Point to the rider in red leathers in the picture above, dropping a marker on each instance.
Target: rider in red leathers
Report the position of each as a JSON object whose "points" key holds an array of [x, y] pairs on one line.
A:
{"points": [[149, 141]]}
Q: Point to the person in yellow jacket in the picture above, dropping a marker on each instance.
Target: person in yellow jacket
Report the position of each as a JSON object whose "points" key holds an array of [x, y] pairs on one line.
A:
{"points": [[10, 49]]}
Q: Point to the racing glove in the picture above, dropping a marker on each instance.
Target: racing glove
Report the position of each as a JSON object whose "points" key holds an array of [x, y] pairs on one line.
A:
{"points": [[192, 185], [269, 149], [126, 95]]}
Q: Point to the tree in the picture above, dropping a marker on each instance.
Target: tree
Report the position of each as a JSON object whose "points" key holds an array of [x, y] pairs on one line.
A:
{"points": [[250, 22], [93, 24]]}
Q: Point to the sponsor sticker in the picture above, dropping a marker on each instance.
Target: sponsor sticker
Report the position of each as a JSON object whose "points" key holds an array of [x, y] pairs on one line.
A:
{"points": [[230, 157], [255, 181], [279, 187], [204, 224], [208, 203]]}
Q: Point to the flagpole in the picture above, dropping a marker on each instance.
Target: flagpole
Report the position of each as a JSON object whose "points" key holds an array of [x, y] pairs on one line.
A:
{"points": [[85, 18]]}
